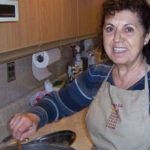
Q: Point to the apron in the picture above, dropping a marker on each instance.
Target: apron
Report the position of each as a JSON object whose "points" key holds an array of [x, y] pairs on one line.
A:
{"points": [[119, 119]]}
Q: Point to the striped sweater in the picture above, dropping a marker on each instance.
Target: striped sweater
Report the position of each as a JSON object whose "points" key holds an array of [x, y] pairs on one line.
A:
{"points": [[76, 95]]}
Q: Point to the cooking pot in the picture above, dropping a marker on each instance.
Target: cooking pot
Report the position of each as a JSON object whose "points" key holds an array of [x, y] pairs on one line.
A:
{"points": [[63, 137], [39, 146]]}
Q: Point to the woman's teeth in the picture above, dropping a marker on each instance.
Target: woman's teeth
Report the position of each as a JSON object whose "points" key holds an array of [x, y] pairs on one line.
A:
{"points": [[118, 50]]}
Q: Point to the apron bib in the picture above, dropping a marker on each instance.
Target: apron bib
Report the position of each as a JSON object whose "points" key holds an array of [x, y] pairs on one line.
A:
{"points": [[119, 119]]}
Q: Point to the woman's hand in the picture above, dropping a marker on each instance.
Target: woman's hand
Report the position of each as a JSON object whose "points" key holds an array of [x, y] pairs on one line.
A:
{"points": [[24, 125]]}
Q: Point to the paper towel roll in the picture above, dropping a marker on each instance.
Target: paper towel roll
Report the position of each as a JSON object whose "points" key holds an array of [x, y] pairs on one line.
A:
{"points": [[41, 60]]}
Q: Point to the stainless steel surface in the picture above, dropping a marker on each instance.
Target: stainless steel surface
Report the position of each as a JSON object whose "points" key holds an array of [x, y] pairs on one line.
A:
{"points": [[6, 139], [63, 137], [39, 146]]}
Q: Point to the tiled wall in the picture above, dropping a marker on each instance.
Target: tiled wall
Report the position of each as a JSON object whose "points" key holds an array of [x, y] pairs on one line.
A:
{"points": [[12, 93]]}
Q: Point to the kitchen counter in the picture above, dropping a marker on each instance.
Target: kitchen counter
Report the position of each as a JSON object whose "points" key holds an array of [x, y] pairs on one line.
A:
{"points": [[75, 123]]}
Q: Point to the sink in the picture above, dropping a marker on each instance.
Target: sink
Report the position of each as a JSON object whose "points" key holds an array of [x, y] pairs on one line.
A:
{"points": [[62, 137], [59, 140]]}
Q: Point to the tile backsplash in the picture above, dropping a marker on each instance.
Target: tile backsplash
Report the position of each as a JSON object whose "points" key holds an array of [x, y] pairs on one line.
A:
{"points": [[12, 93]]}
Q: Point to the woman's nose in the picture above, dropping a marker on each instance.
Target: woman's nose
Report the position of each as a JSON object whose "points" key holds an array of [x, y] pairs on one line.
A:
{"points": [[118, 36]]}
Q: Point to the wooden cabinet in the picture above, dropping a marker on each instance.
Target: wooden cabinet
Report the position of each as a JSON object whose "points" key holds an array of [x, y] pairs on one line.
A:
{"points": [[69, 18], [49, 20], [63, 19], [57, 20], [45, 21], [88, 15], [23, 33]]}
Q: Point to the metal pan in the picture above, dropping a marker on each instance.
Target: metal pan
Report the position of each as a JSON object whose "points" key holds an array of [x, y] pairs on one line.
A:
{"points": [[39, 146], [63, 137]]}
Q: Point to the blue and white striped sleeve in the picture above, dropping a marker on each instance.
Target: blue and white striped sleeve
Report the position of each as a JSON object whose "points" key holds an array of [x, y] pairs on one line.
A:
{"points": [[70, 99]]}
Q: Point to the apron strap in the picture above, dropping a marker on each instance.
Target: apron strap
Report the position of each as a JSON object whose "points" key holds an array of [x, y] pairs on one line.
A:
{"points": [[109, 73], [146, 78]]}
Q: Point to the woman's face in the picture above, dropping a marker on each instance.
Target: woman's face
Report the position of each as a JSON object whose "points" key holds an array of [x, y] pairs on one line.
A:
{"points": [[123, 37]]}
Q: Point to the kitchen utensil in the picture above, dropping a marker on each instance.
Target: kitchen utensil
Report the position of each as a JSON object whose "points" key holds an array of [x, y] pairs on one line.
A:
{"points": [[39, 146], [63, 137], [9, 140], [6, 139], [19, 145]]}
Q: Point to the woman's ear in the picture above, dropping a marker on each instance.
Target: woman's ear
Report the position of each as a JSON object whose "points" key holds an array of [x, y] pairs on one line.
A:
{"points": [[147, 38]]}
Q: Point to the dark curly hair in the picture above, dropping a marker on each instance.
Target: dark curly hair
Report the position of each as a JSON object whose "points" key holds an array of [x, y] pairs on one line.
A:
{"points": [[141, 7]]}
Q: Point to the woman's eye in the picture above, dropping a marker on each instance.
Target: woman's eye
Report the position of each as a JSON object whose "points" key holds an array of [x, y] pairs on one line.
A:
{"points": [[129, 29], [109, 29]]}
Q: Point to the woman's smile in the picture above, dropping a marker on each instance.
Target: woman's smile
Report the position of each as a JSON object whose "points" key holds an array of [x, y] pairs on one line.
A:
{"points": [[119, 49]]}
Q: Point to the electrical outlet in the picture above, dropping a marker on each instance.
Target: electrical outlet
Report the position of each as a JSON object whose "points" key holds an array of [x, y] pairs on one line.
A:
{"points": [[11, 75]]}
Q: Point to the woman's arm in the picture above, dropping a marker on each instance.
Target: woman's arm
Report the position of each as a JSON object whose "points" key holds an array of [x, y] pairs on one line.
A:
{"points": [[56, 105]]}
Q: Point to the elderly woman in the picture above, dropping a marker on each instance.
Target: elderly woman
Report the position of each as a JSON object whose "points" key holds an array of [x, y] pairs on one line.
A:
{"points": [[117, 90]]}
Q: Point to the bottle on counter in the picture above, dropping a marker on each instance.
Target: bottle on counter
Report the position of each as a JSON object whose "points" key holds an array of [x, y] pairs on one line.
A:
{"points": [[91, 58], [76, 67], [71, 73], [48, 86], [84, 57], [78, 61], [88, 55], [37, 97]]}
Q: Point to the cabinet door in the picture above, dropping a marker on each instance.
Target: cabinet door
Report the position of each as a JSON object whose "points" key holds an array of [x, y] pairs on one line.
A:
{"points": [[69, 18], [88, 15], [23, 33], [58, 20], [50, 20]]}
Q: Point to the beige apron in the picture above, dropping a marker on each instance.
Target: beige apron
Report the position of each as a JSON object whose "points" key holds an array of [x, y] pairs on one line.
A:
{"points": [[119, 119]]}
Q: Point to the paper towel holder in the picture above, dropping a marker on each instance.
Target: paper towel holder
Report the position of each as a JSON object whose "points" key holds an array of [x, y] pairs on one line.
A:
{"points": [[40, 58]]}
